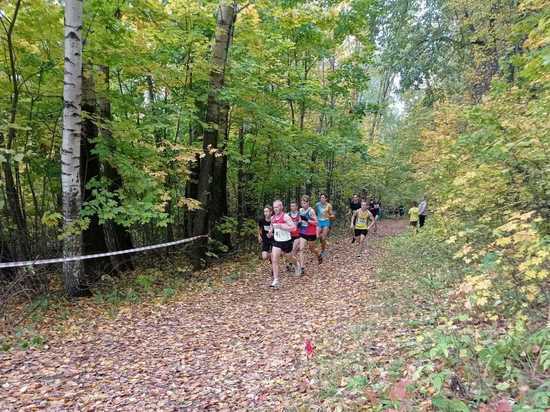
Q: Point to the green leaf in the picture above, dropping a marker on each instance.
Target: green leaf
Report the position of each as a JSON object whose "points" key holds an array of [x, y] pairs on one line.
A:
{"points": [[443, 404]]}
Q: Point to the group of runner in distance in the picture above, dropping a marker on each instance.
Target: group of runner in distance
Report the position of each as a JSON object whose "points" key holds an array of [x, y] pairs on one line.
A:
{"points": [[281, 233]]}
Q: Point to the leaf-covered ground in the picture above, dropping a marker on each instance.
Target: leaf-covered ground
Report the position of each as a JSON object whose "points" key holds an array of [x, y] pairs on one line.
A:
{"points": [[240, 346]]}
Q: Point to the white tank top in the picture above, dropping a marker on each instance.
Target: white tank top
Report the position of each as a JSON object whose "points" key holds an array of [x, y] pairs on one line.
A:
{"points": [[280, 235]]}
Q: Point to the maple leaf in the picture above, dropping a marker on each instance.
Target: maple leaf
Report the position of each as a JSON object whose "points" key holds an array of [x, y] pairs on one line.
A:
{"points": [[309, 348]]}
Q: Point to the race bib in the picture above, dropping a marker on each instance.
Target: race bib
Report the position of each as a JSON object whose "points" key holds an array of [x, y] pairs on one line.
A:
{"points": [[281, 235]]}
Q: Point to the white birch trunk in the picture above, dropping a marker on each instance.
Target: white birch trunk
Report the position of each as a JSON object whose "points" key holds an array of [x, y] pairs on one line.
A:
{"points": [[70, 150]]}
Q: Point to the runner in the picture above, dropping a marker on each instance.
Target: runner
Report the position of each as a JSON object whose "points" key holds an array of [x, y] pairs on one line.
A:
{"points": [[308, 232], [324, 213], [281, 227], [378, 209], [423, 211], [295, 234], [413, 216], [360, 225], [264, 224], [374, 212], [378, 215], [354, 204]]}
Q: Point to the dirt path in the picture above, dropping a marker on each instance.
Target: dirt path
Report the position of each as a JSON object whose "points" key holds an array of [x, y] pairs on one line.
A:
{"points": [[241, 347]]}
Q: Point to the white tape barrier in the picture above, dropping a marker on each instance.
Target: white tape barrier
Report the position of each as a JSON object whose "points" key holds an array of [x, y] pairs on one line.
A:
{"points": [[97, 255]]}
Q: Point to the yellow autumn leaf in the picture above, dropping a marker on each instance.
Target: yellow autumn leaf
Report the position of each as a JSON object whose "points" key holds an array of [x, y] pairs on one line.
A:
{"points": [[503, 241]]}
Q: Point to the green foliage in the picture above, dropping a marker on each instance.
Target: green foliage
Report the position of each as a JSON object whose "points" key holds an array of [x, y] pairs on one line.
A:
{"points": [[486, 167], [459, 362], [168, 293], [23, 338], [357, 383], [449, 405], [295, 81], [145, 281]]}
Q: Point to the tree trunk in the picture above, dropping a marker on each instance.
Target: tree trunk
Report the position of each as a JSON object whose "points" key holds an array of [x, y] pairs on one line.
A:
{"points": [[298, 194], [330, 174], [312, 172], [385, 83], [201, 220], [218, 208], [241, 184], [70, 150], [93, 238], [116, 235], [21, 238], [218, 205], [14, 205]]}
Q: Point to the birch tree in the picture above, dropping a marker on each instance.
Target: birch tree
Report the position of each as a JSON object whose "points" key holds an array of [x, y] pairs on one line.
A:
{"points": [[70, 150]]}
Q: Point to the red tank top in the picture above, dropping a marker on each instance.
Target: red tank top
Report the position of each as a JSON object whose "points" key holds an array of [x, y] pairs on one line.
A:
{"points": [[307, 227], [296, 219]]}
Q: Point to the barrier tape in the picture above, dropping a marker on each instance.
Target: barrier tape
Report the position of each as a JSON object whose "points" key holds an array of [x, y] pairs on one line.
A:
{"points": [[5, 265]]}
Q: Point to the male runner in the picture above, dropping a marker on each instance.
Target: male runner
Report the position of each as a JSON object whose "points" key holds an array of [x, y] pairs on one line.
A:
{"points": [[422, 211], [360, 225], [374, 211], [354, 204], [413, 217], [264, 225], [324, 212], [295, 234]]}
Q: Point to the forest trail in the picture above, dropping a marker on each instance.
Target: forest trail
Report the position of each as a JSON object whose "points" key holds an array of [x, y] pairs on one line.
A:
{"points": [[238, 347]]}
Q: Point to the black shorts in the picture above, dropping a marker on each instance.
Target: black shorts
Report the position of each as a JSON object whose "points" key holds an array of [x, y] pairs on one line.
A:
{"points": [[309, 238], [286, 246], [414, 224], [266, 245], [361, 232]]}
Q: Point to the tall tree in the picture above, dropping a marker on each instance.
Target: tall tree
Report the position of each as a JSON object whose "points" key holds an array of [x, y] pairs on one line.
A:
{"points": [[14, 200], [117, 236], [215, 121], [70, 150], [93, 237]]}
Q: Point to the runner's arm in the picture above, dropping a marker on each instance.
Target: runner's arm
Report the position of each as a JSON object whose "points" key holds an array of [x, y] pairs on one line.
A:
{"points": [[372, 220], [288, 226], [353, 218], [313, 216]]}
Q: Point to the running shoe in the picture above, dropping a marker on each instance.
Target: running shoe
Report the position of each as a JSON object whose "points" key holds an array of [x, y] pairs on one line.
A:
{"points": [[275, 285], [320, 258]]}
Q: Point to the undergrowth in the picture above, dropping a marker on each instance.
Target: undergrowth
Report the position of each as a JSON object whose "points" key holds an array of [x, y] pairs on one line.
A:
{"points": [[420, 348]]}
